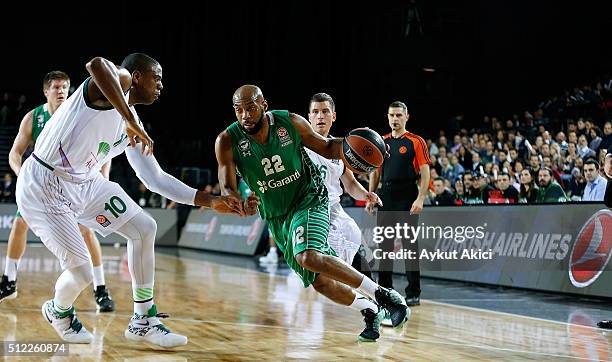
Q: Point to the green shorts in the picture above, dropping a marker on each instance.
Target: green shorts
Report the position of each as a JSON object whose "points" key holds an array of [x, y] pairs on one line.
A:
{"points": [[300, 230]]}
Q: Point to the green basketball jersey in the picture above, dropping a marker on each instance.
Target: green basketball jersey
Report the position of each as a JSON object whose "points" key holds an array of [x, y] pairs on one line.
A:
{"points": [[279, 172], [40, 117]]}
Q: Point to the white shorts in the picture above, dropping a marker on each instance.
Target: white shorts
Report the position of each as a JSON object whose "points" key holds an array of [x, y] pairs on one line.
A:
{"points": [[53, 207], [344, 234]]}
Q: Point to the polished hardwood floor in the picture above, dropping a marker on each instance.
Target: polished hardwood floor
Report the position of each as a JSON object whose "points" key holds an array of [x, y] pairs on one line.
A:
{"points": [[235, 314]]}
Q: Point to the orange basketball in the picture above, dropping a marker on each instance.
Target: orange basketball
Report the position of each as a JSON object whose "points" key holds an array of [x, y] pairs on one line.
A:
{"points": [[363, 150]]}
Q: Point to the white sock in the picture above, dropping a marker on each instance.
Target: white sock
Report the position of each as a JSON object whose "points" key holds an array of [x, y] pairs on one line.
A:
{"points": [[360, 303], [142, 308], [10, 269], [368, 287], [59, 308], [98, 276]]}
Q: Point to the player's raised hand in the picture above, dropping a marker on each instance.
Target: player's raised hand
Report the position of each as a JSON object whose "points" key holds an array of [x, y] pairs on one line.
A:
{"points": [[136, 133], [250, 204], [373, 198]]}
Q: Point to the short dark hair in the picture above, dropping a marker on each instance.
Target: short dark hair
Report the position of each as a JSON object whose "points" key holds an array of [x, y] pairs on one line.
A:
{"points": [[503, 174], [547, 169], [439, 179], [138, 62], [322, 97], [398, 104], [591, 161], [598, 131], [54, 75]]}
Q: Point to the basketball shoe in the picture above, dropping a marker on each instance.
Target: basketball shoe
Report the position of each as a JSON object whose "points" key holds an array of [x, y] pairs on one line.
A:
{"points": [[148, 328], [66, 324]]}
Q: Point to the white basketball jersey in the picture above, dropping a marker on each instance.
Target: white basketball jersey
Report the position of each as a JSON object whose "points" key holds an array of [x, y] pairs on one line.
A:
{"points": [[80, 137], [331, 170]]}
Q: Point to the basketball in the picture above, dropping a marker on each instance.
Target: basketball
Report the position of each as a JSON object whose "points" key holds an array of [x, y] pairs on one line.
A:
{"points": [[363, 150]]}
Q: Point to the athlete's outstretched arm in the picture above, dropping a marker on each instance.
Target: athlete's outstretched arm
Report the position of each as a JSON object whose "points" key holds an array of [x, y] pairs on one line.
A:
{"points": [[330, 148], [157, 180], [228, 183], [21, 143], [109, 83], [356, 190]]}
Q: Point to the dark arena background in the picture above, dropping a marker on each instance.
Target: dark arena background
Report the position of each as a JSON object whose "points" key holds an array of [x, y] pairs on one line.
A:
{"points": [[509, 111]]}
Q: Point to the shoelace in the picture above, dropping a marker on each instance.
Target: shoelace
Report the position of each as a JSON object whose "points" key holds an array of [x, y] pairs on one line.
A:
{"points": [[75, 324]]}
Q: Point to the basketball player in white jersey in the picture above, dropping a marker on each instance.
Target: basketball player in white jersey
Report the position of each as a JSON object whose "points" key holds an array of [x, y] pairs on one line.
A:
{"points": [[344, 234], [61, 186], [55, 89]]}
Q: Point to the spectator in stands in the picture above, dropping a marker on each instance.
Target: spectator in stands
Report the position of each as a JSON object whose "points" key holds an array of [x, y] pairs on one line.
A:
{"points": [[596, 185], [572, 153], [501, 140], [576, 185], [442, 152], [534, 163], [488, 154], [476, 164], [8, 188], [596, 138], [561, 140], [443, 197], [505, 193], [528, 192], [572, 137], [578, 165], [581, 127], [456, 143], [486, 190], [432, 147], [465, 158], [550, 190], [459, 194], [513, 155], [545, 150], [446, 168], [606, 141], [435, 165], [442, 142], [583, 148]]}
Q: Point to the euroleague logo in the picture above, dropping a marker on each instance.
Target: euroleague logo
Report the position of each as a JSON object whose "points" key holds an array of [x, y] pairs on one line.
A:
{"points": [[592, 249], [282, 132], [403, 149], [102, 220], [367, 151]]}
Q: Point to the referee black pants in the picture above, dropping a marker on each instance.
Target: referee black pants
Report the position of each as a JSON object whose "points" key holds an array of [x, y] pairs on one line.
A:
{"points": [[397, 199]]}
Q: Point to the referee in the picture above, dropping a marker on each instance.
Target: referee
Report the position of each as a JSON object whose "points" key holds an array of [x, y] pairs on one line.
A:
{"points": [[409, 159]]}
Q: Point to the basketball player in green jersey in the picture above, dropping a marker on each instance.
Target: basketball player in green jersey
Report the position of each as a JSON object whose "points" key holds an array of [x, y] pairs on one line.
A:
{"points": [[267, 149], [55, 88]]}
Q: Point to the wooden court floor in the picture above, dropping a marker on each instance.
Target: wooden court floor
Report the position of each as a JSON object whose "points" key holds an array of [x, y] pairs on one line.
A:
{"points": [[235, 314]]}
